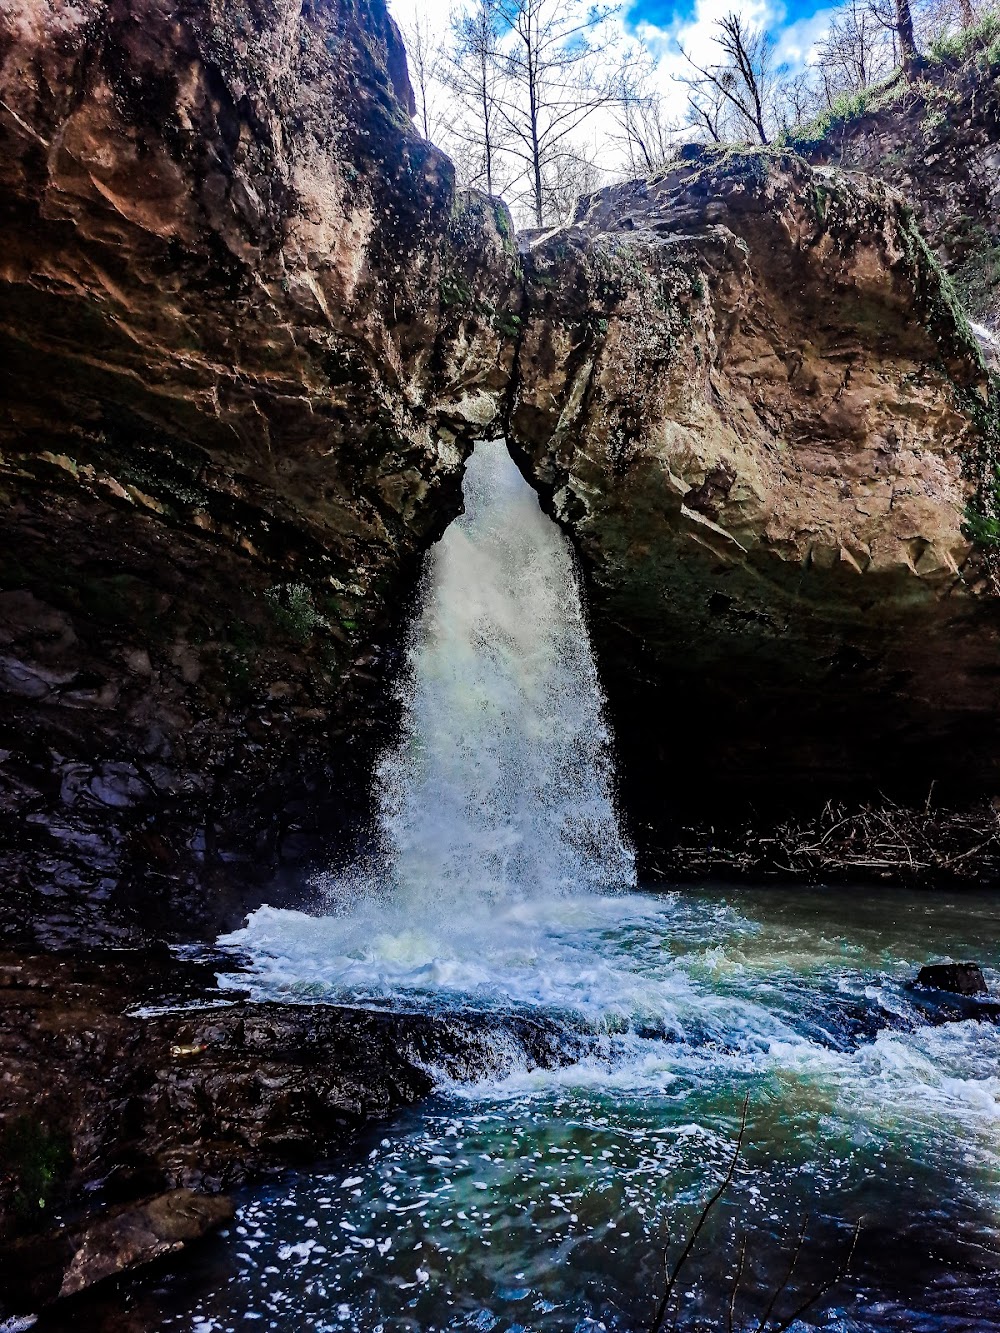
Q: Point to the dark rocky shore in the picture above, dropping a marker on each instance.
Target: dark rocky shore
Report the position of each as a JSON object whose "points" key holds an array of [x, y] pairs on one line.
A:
{"points": [[121, 1128]]}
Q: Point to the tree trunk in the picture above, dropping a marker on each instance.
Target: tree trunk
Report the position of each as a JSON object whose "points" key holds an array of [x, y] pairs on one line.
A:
{"points": [[536, 156], [484, 77], [907, 41]]}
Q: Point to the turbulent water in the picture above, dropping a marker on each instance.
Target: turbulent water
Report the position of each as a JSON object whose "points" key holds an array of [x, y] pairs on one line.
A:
{"points": [[543, 1199], [500, 789]]}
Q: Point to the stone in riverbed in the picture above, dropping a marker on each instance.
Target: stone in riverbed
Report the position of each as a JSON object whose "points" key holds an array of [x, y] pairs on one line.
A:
{"points": [[959, 978], [953, 993], [65, 1262]]}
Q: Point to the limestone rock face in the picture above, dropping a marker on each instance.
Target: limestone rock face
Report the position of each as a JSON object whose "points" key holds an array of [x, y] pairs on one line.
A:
{"points": [[744, 392], [248, 333]]}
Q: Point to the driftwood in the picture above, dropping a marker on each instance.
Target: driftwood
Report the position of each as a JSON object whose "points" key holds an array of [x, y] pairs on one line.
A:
{"points": [[882, 839]]}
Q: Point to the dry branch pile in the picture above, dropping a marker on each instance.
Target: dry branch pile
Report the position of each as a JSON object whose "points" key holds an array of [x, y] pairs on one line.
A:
{"points": [[883, 840]]}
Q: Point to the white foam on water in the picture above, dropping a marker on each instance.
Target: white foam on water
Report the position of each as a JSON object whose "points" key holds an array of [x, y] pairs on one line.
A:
{"points": [[606, 961], [501, 882]]}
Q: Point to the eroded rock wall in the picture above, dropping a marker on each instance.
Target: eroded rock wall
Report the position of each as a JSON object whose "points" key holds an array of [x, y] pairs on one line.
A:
{"points": [[248, 332], [938, 141], [749, 398]]}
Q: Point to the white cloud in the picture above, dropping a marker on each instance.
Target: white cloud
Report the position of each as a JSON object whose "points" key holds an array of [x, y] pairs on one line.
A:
{"points": [[696, 33], [436, 13]]}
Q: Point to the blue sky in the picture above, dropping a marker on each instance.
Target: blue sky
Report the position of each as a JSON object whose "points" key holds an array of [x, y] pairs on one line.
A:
{"points": [[665, 14]]}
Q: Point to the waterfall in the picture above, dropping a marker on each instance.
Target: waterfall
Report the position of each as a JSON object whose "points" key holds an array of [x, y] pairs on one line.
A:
{"points": [[501, 786], [989, 342], [497, 827]]}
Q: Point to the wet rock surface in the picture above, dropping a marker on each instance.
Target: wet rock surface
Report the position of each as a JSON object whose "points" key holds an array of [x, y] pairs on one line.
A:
{"points": [[953, 993], [744, 390], [48, 1268], [938, 142], [958, 978], [248, 333], [112, 1112]]}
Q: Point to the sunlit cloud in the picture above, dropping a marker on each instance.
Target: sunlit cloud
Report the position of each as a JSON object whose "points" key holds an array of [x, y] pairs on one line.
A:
{"points": [[662, 32]]}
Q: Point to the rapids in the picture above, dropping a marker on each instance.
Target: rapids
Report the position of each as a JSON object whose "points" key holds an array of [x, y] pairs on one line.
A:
{"points": [[541, 1201], [500, 880]]}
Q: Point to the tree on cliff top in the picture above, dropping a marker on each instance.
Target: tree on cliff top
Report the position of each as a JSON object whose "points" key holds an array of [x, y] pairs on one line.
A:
{"points": [[555, 77], [739, 91], [537, 99], [425, 49], [475, 75], [907, 40]]}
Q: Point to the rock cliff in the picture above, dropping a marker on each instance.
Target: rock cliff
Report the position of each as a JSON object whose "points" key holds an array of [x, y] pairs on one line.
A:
{"points": [[937, 140], [745, 390], [248, 332]]}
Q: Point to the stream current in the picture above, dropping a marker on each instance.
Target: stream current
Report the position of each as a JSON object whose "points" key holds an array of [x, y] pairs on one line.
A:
{"points": [[542, 1199]]}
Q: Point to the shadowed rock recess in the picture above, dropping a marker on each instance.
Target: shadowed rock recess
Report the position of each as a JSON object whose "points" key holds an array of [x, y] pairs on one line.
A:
{"points": [[249, 333], [748, 392]]}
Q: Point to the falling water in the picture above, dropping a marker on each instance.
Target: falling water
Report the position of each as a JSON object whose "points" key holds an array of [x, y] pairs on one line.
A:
{"points": [[501, 787], [498, 837], [989, 342]]}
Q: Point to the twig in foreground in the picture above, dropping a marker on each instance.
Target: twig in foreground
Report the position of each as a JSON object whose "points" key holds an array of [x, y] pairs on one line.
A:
{"points": [[661, 1312]]}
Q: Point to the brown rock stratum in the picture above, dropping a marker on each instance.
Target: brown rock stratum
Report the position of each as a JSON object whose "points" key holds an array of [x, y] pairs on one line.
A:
{"points": [[744, 389]]}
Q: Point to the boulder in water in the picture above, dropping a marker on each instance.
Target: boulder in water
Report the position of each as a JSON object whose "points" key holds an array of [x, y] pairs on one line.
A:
{"points": [[953, 993], [958, 978], [45, 1268]]}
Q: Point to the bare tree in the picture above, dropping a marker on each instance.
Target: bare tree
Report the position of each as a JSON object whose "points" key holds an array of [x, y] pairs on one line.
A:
{"points": [[797, 100], [646, 135], [934, 19], [426, 58], [907, 40], [707, 110], [572, 173], [554, 81], [855, 52], [475, 75], [744, 82]]}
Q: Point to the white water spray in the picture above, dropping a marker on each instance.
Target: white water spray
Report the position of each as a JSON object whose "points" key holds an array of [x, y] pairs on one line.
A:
{"points": [[501, 788], [518, 1197], [989, 342], [498, 832]]}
